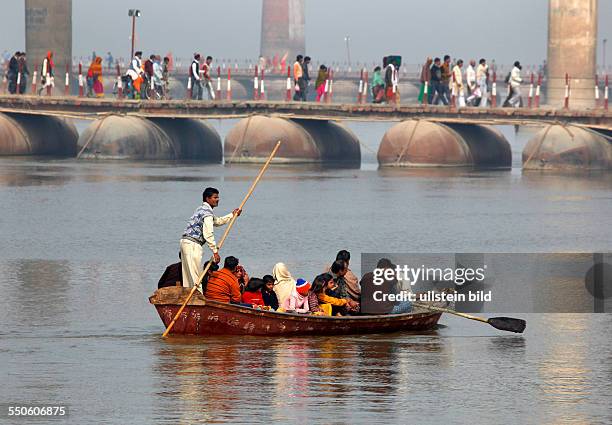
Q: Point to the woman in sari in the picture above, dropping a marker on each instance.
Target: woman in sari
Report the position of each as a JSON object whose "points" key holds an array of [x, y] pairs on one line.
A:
{"points": [[284, 283], [96, 68], [320, 83]]}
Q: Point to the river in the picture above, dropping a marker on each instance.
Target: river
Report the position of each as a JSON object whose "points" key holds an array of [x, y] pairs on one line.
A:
{"points": [[84, 243]]}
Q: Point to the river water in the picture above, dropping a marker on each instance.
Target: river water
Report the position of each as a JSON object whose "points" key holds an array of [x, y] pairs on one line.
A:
{"points": [[83, 244]]}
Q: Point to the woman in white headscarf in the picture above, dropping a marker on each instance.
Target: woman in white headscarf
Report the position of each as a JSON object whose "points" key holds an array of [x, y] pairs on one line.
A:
{"points": [[284, 283]]}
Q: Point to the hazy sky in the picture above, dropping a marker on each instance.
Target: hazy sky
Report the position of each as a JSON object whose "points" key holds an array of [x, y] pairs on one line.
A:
{"points": [[496, 29]]}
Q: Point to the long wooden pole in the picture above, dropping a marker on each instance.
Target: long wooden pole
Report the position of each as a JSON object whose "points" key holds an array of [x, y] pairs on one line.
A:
{"points": [[229, 227]]}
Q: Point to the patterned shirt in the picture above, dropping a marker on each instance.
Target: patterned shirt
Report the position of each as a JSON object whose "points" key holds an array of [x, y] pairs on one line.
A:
{"points": [[200, 226]]}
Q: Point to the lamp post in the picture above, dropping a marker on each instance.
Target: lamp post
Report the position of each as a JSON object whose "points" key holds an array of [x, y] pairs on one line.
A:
{"points": [[604, 41], [347, 39], [133, 13]]}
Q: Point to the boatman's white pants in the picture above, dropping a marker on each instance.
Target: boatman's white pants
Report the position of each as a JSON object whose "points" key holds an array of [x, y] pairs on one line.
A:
{"points": [[191, 262]]}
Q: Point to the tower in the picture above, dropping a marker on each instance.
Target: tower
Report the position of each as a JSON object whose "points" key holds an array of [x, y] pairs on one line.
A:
{"points": [[48, 26], [572, 46], [282, 29]]}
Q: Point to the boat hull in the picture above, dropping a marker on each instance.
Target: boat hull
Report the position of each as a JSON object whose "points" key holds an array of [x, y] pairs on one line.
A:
{"points": [[203, 317]]}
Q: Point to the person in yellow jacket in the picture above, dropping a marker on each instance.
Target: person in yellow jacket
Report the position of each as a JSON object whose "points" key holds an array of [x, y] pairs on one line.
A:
{"points": [[339, 306]]}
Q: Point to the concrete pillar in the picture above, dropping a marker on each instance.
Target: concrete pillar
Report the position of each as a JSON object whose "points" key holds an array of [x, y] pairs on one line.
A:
{"points": [[48, 26], [282, 29], [572, 45]]}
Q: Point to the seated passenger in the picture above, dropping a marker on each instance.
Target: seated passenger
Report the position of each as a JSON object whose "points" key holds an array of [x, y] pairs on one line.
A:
{"points": [[352, 282], [297, 301], [213, 268], [173, 276], [388, 286], [223, 284], [284, 283], [339, 269], [313, 300], [340, 306], [252, 293], [268, 294], [243, 277]]}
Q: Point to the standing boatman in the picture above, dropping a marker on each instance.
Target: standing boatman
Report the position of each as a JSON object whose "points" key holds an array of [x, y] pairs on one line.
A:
{"points": [[200, 231]]}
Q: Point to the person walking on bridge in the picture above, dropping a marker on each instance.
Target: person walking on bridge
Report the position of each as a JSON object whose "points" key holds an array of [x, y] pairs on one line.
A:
{"points": [[470, 81], [391, 79], [445, 78], [378, 86], [320, 82], [206, 78], [514, 98], [194, 73], [136, 64], [436, 94], [94, 78], [482, 75], [298, 80], [458, 87], [136, 73], [158, 90], [425, 79], [46, 72], [13, 71], [306, 78], [200, 231], [166, 77], [23, 68]]}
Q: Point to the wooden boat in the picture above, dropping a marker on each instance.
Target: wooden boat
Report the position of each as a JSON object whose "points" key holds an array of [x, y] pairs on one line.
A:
{"points": [[206, 317]]}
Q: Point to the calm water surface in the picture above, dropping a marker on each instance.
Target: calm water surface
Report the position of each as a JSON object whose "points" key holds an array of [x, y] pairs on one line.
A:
{"points": [[83, 244]]}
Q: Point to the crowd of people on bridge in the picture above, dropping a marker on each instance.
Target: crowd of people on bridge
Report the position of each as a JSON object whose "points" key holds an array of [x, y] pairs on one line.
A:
{"points": [[149, 79], [336, 291], [17, 72], [444, 81]]}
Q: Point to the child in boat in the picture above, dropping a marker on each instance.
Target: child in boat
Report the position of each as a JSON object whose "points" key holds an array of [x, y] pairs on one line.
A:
{"points": [[252, 293], [297, 301], [313, 299], [243, 277], [268, 294], [339, 306]]}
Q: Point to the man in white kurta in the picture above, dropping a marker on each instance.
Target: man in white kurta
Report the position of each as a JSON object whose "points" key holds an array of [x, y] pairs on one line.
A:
{"points": [[200, 231]]}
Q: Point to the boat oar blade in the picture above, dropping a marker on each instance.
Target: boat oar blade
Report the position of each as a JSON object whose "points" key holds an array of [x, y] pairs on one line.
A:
{"points": [[508, 324]]}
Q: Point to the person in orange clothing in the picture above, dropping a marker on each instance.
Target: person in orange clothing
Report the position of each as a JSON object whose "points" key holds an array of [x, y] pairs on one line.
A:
{"points": [[298, 80], [223, 285]]}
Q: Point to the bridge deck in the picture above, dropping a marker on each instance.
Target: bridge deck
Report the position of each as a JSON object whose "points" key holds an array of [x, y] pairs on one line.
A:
{"points": [[85, 108]]}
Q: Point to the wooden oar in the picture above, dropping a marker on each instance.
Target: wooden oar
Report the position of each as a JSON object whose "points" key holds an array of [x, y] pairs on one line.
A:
{"points": [[502, 323], [229, 227]]}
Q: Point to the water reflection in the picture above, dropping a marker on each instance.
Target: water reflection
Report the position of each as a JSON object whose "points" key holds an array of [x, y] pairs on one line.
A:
{"points": [[34, 176], [568, 182], [289, 375], [38, 292], [566, 380], [442, 172]]}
